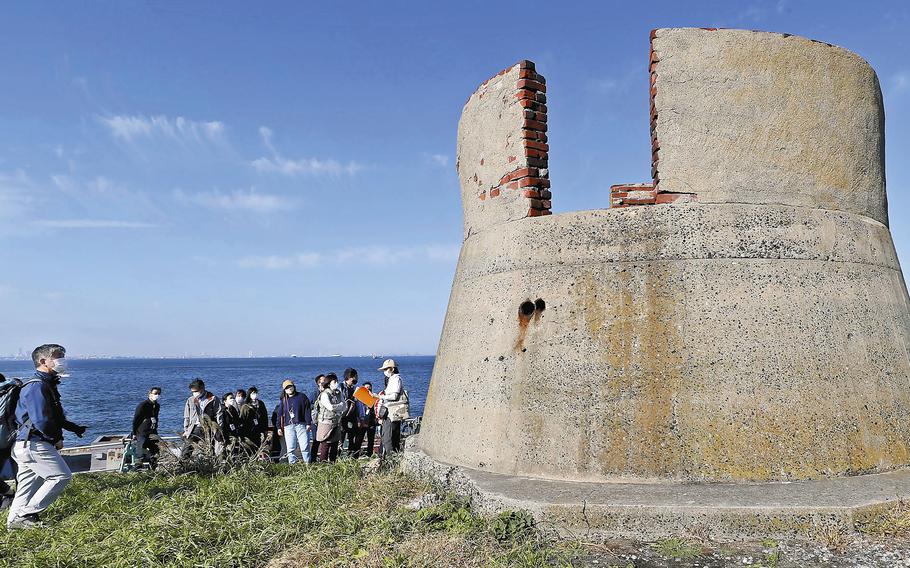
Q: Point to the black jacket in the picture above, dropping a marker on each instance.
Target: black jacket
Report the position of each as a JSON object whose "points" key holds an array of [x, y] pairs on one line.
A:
{"points": [[231, 423], [145, 421], [260, 417]]}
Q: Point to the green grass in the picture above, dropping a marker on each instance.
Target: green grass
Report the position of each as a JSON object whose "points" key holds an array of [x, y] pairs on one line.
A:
{"points": [[275, 516], [893, 522], [678, 548]]}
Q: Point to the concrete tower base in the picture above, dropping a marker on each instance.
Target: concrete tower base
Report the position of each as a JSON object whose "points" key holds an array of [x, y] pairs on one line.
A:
{"points": [[725, 351], [650, 511]]}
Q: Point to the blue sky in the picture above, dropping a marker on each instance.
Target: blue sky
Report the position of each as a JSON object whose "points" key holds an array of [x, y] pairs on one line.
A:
{"points": [[223, 177]]}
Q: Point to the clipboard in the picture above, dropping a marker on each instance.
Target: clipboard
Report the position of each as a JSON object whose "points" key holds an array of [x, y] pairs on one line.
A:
{"points": [[363, 394]]}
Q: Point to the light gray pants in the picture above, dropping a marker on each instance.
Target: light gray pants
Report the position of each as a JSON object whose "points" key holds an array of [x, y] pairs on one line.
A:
{"points": [[42, 477]]}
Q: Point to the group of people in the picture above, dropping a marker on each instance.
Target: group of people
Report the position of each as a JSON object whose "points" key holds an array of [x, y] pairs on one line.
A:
{"points": [[301, 428], [304, 427]]}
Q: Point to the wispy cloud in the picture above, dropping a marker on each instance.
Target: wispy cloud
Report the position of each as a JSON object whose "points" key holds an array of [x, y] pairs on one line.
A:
{"points": [[370, 255], [99, 185], [82, 84], [304, 166], [898, 83], [266, 134], [277, 164], [753, 13], [16, 195], [130, 128], [92, 224], [441, 160], [274, 262], [237, 200], [616, 85]]}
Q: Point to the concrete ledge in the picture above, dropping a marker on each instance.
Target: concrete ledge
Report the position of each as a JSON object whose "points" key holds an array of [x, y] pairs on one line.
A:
{"points": [[650, 511]]}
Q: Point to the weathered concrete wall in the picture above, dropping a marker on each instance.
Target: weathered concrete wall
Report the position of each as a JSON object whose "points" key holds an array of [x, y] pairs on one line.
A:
{"points": [[697, 342], [734, 335], [502, 150], [747, 117]]}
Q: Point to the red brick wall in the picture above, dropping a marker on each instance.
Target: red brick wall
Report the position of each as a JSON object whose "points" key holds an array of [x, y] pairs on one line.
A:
{"points": [[533, 180], [628, 194], [655, 144]]}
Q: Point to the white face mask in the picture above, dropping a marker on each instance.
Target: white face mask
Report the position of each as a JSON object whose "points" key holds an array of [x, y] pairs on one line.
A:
{"points": [[229, 402], [58, 366], [154, 397], [253, 396], [388, 373], [333, 385], [289, 392], [197, 394], [240, 400]]}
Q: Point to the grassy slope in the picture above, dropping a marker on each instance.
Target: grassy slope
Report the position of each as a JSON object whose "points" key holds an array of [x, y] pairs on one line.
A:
{"points": [[277, 516]]}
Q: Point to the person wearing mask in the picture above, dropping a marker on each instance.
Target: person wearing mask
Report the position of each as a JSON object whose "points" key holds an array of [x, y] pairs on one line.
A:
{"points": [[366, 418], [350, 425], [295, 421], [231, 425], [247, 418], [260, 419], [201, 418], [145, 426], [390, 400], [331, 408], [42, 475], [314, 398]]}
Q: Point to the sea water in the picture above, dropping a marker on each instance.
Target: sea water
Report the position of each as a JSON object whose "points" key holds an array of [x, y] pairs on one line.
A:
{"points": [[102, 394]]}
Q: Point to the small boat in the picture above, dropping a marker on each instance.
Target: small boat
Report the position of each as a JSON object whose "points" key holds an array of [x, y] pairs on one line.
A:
{"points": [[104, 453]]}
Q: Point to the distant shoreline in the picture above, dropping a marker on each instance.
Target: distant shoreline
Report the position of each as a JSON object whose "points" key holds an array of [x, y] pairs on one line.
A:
{"points": [[134, 358], [225, 357]]}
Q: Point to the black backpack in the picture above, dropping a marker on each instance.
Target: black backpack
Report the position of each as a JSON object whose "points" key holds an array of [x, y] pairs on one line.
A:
{"points": [[9, 397]]}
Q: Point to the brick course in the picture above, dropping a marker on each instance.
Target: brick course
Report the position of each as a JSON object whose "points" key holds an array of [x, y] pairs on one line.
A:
{"points": [[532, 181], [629, 194]]}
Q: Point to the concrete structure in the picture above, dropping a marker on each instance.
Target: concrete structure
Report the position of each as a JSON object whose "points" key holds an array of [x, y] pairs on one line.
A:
{"points": [[645, 511], [740, 318]]}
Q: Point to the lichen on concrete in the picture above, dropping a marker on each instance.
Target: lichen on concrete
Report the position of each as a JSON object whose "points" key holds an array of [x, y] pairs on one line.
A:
{"points": [[756, 331]]}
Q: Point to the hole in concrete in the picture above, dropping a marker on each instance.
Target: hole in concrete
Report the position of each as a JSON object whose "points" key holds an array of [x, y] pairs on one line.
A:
{"points": [[526, 309], [540, 305]]}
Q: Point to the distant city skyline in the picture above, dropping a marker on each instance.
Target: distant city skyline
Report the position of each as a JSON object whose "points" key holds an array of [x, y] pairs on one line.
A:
{"points": [[23, 355], [218, 177]]}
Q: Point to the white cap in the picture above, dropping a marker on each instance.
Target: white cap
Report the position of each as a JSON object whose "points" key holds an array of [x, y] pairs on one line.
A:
{"points": [[388, 364]]}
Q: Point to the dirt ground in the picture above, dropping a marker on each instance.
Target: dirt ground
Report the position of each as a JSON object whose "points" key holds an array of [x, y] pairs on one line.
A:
{"points": [[853, 553]]}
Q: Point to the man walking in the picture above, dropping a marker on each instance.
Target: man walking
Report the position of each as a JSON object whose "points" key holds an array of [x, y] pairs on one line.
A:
{"points": [[43, 474]]}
